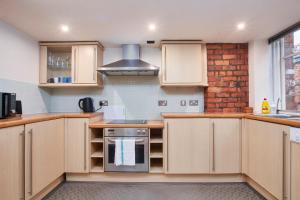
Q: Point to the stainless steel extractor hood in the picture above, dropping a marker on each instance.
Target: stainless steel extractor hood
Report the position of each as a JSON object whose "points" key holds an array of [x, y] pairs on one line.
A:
{"points": [[130, 65]]}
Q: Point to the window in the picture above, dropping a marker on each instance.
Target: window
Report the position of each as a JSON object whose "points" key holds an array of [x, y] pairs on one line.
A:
{"points": [[286, 70]]}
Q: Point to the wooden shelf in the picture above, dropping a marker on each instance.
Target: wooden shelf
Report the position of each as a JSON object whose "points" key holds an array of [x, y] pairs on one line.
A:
{"points": [[67, 85], [97, 155], [156, 155], [156, 140], [97, 140]]}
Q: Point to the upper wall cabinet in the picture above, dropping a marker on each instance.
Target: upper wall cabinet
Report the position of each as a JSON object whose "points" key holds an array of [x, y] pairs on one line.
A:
{"points": [[184, 64], [70, 64]]}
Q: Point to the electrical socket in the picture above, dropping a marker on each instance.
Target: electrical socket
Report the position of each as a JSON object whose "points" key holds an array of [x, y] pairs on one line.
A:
{"points": [[193, 103], [162, 102], [183, 103], [103, 103]]}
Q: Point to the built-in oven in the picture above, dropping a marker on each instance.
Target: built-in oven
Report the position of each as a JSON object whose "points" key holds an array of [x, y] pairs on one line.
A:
{"points": [[141, 137]]}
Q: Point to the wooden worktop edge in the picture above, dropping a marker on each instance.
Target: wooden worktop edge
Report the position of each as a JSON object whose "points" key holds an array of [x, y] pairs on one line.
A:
{"points": [[28, 119]]}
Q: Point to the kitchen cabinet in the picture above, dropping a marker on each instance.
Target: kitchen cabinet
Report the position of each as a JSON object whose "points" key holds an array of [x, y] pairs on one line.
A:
{"points": [[266, 155], [226, 146], [44, 155], [70, 64], [86, 58], [76, 145], [184, 64], [187, 146], [12, 162], [295, 170]]}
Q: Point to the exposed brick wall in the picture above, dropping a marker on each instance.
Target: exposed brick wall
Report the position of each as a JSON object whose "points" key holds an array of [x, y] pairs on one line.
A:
{"points": [[227, 71]]}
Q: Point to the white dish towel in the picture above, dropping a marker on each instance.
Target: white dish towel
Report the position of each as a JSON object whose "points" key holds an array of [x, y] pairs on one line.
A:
{"points": [[125, 152]]}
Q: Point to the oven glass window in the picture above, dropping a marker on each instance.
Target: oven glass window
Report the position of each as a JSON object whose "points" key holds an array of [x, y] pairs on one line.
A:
{"points": [[139, 154]]}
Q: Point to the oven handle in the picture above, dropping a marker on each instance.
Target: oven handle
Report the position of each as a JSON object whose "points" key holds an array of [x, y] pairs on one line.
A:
{"points": [[136, 141]]}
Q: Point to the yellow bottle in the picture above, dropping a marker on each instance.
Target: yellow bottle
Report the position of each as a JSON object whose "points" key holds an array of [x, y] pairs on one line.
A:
{"points": [[265, 107]]}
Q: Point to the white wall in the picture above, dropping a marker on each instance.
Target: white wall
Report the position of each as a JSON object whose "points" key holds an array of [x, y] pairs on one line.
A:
{"points": [[260, 74], [19, 55], [19, 68]]}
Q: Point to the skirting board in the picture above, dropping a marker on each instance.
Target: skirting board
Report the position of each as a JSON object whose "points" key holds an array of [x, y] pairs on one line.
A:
{"points": [[260, 189], [49, 188], [141, 177]]}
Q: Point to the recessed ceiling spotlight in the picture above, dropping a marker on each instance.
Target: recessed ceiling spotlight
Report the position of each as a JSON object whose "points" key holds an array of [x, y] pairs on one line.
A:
{"points": [[241, 26], [152, 27], [64, 28]]}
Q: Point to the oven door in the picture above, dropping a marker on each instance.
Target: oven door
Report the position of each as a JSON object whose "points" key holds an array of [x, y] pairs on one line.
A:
{"points": [[141, 155]]}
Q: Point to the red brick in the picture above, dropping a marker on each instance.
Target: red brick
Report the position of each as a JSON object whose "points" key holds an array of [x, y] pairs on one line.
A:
{"points": [[237, 62], [223, 94], [210, 94], [230, 110], [229, 57], [214, 100], [229, 46], [214, 57], [240, 73], [221, 62], [214, 46], [229, 67], [214, 89]]}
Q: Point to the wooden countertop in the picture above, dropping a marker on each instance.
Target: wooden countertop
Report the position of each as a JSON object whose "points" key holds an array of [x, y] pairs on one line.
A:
{"points": [[287, 122], [282, 121], [28, 119], [203, 115], [149, 124]]}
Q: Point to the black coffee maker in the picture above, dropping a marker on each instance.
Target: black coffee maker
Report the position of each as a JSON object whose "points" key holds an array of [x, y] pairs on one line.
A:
{"points": [[86, 104]]}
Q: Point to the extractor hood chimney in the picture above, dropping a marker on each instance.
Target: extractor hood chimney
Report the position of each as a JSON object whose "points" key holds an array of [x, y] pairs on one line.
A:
{"points": [[130, 65]]}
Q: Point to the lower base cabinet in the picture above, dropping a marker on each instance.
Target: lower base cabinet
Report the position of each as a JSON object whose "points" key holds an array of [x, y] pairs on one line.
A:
{"points": [[76, 145], [12, 163], [295, 171], [44, 155], [266, 154], [187, 146], [203, 146], [226, 146]]}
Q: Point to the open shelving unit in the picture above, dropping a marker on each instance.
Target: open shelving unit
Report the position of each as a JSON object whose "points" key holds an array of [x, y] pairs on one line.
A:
{"points": [[97, 150], [156, 164]]}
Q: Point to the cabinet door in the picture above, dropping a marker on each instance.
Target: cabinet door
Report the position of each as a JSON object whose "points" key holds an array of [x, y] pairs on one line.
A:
{"points": [[76, 146], [12, 163], [226, 146], [295, 171], [184, 64], [44, 154], [85, 63], [265, 155], [187, 146]]}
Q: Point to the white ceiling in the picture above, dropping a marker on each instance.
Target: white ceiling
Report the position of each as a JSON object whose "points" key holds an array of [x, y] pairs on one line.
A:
{"points": [[125, 21]]}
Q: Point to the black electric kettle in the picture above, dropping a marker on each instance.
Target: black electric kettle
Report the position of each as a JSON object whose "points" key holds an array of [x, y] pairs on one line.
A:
{"points": [[86, 104]]}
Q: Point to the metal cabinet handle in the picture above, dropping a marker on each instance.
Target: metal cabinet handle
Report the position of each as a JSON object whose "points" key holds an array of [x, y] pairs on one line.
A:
{"points": [[136, 141], [284, 135], [85, 127], [22, 135], [30, 133], [95, 63], [165, 69], [213, 147], [75, 64]]}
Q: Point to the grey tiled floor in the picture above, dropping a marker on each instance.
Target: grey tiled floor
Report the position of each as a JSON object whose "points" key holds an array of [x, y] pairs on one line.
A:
{"points": [[153, 191]]}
